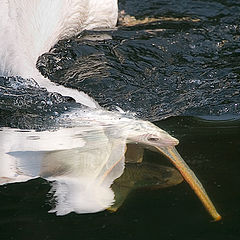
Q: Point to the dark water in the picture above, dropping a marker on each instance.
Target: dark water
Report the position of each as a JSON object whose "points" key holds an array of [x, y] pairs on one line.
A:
{"points": [[210, 148], [183, 74], [166, 68]]}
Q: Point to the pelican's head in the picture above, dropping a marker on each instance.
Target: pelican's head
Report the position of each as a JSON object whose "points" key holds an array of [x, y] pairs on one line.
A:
{"points": [[146, 133]]}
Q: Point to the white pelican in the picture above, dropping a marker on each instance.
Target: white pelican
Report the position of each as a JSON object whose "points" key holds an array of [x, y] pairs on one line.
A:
{"points": [[83, 159], [86, 153]]}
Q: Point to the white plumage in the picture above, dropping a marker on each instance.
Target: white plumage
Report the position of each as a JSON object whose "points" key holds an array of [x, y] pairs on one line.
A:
{"points": [[81, 161], [31, 27]]}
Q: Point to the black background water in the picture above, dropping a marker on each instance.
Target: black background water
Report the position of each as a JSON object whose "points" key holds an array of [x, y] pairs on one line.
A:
{"points": [[184, 74]]}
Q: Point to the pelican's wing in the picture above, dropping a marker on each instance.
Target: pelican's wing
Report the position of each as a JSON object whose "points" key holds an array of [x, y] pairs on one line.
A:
{"points": [[22, 152], [80, 164], [86, 188]]}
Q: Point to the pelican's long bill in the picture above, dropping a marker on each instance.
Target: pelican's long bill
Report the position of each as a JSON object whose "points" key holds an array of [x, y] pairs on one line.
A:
{"points": [[191, 178]]}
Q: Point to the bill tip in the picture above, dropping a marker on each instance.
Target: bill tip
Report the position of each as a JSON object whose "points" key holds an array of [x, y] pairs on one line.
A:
{"points": [[217, 218]]}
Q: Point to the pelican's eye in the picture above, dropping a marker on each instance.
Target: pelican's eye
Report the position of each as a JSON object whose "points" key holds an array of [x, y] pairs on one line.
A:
{"points": [[153, 139]]}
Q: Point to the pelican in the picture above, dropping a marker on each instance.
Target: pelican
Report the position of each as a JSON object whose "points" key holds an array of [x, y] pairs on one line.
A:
{"points": [[86, 153], [83, 159]]}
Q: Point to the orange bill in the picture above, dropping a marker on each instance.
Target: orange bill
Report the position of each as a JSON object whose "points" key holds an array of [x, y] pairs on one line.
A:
{"points": [[191, 178]]}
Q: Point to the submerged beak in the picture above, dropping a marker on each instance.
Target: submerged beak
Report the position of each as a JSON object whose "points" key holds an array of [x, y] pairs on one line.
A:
{"points": [[191, 178]]}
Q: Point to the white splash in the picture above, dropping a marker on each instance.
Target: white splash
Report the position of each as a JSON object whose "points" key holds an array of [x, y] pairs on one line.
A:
{"points": [[30, 28]]}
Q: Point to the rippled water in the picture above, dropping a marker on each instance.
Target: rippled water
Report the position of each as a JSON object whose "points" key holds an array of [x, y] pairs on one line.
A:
{"points": [[183, 68], [184, 65]]}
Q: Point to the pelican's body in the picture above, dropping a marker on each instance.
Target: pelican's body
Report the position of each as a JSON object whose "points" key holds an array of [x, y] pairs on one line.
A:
{"points": [[85, 157], [81, 158]]}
